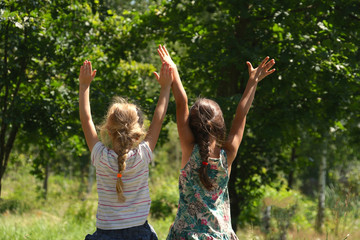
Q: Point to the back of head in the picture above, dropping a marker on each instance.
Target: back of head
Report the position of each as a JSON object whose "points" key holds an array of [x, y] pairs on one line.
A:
{"points": [[206, 123], [124, 125]]}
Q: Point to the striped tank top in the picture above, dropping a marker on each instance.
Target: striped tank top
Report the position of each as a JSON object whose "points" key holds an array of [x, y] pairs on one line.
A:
{"points": [[112, 214]]}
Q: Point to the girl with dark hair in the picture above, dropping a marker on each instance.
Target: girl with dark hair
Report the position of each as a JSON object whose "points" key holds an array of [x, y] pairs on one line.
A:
{"points": [[122, 160], [207, 156]]}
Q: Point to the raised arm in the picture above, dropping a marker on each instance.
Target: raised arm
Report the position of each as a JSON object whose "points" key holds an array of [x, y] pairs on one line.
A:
{"points": [[85, 78], [237, 129], [182, 109], [155, 127]]}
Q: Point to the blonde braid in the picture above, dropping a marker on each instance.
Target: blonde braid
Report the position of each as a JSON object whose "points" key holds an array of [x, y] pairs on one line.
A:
{"points": [[121, 145], [123, 124]]}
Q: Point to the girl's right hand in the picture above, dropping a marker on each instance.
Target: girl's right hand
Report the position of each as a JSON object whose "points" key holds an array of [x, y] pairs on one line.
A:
{"points": [[262, 70], [165, 77], [86, 73]]}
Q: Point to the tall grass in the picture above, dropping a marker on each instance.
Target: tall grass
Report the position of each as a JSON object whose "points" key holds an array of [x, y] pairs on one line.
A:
{"points": [[69, 212], [26, 215]]}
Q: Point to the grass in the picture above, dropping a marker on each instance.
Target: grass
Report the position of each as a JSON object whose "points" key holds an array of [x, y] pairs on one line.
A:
{"points": [[42, 225], [69, 213]]}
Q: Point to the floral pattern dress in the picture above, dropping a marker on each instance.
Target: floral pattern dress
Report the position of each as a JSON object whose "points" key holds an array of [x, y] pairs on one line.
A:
{"points": [[203, 214]]}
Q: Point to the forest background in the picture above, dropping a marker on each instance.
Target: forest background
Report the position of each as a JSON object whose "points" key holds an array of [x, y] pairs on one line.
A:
{"points": [[296, 175]]}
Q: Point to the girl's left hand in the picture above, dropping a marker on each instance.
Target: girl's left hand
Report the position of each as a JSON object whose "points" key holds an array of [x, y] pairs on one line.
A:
{"points": [[86, 73]]}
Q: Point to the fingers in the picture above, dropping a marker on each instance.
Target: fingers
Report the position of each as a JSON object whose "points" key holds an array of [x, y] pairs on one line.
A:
{"points": [[162, 71], [269, 64], [264, 61], [265, 66], [165, 51], [157, 76], [270, 72], [87, 67], [250, 67], [86, 70], [161, 52]]}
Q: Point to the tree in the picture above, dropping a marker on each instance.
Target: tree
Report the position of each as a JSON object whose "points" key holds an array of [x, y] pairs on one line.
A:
{"points": [[22, 39], [315, 45], [42, 44]]}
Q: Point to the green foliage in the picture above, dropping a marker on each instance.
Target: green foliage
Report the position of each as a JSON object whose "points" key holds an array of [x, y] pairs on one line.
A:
{"points": [[316, 50], [44, 42], [313, 94]]}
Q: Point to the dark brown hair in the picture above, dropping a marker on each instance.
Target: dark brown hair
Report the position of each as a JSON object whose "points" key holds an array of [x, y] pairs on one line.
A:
{"points": [[206, 122]]}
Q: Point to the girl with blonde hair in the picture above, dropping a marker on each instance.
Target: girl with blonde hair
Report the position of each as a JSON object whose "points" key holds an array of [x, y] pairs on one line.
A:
{"points": [[122, 165]]}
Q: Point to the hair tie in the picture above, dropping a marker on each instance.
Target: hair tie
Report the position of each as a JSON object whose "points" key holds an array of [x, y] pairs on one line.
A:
{"points": [[205, 163], [119, 175]]}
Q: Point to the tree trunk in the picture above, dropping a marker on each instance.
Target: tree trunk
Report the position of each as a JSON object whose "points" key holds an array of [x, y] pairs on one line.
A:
{"points": [[266, 220], [9, 129], [322, 185], [46, 180], [284, 227], [228, 87], [6, 150], [4, 104]]}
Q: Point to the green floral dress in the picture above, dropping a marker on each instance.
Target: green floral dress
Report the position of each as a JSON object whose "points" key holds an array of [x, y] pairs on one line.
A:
{"points": [[203, 214]]}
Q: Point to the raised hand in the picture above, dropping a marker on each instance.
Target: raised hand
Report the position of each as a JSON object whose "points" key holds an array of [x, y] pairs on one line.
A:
{"points": [[165, 56], [86, 73], [262, 70], [165, 77]]}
